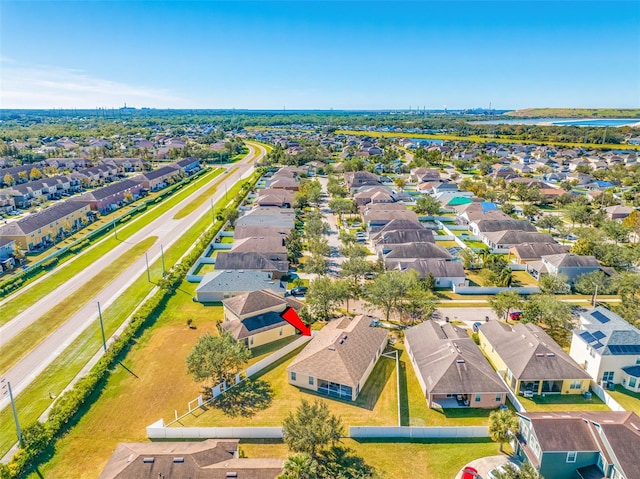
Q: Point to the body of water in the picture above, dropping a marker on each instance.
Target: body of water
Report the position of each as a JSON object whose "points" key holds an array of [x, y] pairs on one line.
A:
{"points": [[426, 141], [563, 121]]}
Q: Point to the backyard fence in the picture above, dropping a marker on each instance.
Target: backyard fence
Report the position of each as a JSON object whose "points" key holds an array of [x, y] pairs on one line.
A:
{"points": [[414, 432], [158, 430], [471, 290], [606, 397]]}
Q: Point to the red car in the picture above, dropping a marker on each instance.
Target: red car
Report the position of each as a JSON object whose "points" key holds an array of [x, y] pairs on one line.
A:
{"points": [[469, 473], [515, 316]]}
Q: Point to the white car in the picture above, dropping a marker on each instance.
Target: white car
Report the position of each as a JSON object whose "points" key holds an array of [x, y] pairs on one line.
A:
{"points": [[502, 469]]}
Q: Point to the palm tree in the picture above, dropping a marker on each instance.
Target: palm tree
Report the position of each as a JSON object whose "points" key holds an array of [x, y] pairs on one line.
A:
{"points": [[503, 426], [299, 466], [506, 278]]}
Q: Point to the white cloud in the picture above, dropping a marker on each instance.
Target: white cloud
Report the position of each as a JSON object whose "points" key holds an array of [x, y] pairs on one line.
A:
{"points": [[55, 87]]}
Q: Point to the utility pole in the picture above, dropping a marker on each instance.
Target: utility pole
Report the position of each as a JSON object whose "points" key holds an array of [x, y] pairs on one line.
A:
{"points": [[595, 296], [164, 271], [213, 216], [146, 258], [13, 407], [115, 231], [104, 338]]}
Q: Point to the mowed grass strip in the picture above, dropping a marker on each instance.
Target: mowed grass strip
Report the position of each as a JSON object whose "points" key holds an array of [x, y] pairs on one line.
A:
{"points": [[21, 344], [201, 198], [35, 399], [433, 459], [25, 298]]}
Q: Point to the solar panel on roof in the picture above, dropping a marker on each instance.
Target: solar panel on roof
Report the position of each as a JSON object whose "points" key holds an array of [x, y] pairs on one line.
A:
{"points": [[619, 349], [600, 317], [598, 345], [586, 335], [599, 335]]}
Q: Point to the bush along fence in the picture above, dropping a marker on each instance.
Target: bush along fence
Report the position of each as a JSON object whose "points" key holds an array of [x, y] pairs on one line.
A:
{"points": [[21, 278], [40, 436]]}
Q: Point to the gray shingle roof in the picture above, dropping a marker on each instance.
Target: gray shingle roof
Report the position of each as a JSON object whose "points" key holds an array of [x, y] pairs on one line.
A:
{"points": [[405, 236], [486, 226], [249, 261], [417, 250], [33, 222], [449, 361], [570, 260], [439, 268], [537, 250], [109, 190], [511, 237], [530, 353], [225, 280], [330, 357]]}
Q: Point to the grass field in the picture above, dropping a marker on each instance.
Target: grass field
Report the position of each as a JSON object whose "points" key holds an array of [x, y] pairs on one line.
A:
{"points": [[27, 339], [201, 198], [35, 398], [563, 402], [21, 300], [627, 399], [432, 459]]}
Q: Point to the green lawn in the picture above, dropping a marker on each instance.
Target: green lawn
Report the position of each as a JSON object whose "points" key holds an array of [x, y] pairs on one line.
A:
{"points": [[226, 240], [202, 197], [524, 278], [627, 399], [35, 398], [205, 268], [475, 244], [20, 301], [562, 402], [447, 244], [27, 339], [432, 459]]}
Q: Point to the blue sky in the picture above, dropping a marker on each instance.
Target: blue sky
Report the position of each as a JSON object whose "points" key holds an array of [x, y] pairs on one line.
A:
{"points": [[319, 55]]}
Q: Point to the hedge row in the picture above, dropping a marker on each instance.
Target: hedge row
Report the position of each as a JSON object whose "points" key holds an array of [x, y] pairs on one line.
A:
{"points": [[38, 436]]}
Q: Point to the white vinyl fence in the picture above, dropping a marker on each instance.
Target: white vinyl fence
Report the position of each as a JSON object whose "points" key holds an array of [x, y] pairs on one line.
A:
{"points": [[158, 430], [606, 397], [412, 432]]}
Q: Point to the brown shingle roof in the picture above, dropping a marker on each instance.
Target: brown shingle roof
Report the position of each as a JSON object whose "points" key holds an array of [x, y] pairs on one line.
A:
{"points": [[344, 361]]}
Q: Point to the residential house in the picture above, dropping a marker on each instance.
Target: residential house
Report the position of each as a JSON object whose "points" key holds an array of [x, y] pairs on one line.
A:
{"points": [[585, 445], [378, 215], [411, 251], [111, 197], [222, 284], [339, 358], [268, 216], [483, 226], [157, 179], [46, 226], [531, 362], [255, 317], [450, 368], [396, 225], [188, 166], [384, 241], [272, 246], [7, 250], [608, 348], [421, 175], [284, 183], [252, 261], [209, 459], [527, 252], [274, 197], [373, 195], [356, 179], [248, 231], [618, 212], [447, 273], [509, 238], [569, 264]]}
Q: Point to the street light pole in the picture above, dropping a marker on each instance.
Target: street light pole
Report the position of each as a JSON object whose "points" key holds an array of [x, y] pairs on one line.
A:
{"points": [[213, 216], [15, 411], [104, 338], [146, 258], [115, 231], [164, 271]]}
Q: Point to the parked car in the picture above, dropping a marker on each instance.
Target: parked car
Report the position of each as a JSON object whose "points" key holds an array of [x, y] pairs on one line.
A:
{"points": [[299, 291], [476, 326], [501, 470], [470, 473], [515, 316]]}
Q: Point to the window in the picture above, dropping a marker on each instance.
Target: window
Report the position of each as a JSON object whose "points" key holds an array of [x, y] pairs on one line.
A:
{"points": [[572, 456], [478, 397], [632, 382], [607, 376], [280, 331], [498, 397], [575, 385], [251, 339], [311, 380], [293, 376], [637, 360]]}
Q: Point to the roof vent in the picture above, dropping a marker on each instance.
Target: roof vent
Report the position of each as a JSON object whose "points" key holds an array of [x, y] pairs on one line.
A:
{"points": [[148, 460], [178, 460], [539, 355], [551, 355], [332, 348], [460, 361], [232, 474]]}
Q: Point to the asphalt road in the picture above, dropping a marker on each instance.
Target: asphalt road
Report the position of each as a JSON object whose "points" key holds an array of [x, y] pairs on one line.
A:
{"points": [[166, 228]]}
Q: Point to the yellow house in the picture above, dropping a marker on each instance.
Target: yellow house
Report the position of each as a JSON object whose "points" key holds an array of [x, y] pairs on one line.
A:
{"points": [[530, 361], [46, 226], [254, 317]]}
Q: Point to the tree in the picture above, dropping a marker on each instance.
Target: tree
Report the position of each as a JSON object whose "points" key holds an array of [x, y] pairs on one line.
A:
{"points": [[230, 215], [505, 278], [549, 222], [35, 174], [299, 466], [503, 302], [495, 263], [510, 471], [530, 211], [469, 258], [315, 225], [311, 428], [353, 250], [323, 297], [416, 305], [8, 179], [577, 213], [616, 231], [632, 222], [316, 264], [503, 426], [427, 205], [294, 246], [554, 283], [341, 206], [628, 287], [356, 268], [589, 283], [217, 358], [508, 208], [388, 289], [549, 310]]}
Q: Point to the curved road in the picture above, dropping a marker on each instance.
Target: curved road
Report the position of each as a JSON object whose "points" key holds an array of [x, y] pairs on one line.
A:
{"points": [[166, 228]]}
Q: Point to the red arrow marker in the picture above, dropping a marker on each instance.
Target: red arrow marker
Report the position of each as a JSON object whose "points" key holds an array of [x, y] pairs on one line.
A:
{"points": [[291, 317]]}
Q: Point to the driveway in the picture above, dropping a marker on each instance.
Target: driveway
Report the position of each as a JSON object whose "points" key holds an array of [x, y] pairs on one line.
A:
{"points": [[486, 464]]}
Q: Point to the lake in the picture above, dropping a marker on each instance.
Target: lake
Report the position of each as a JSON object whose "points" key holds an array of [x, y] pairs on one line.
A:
{"points": [[563, 121]]}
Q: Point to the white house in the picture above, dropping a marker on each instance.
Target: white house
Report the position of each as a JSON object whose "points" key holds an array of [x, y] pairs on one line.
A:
{"points": [[608, 348]]}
